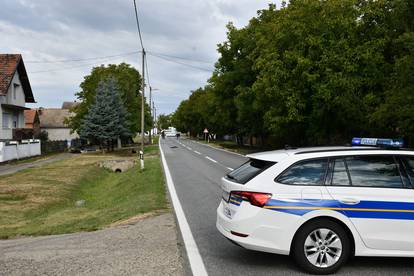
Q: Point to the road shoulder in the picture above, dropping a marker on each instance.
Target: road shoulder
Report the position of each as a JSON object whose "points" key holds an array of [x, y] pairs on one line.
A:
{"points": [[147, 247]]}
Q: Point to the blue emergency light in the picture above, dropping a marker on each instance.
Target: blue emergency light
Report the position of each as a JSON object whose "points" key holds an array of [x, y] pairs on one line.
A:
{"points": [[378, 142]]}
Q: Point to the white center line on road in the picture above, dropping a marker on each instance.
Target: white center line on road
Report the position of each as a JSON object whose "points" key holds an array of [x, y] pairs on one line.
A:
{"points": [[194, 257], [211, 159], [189, 148], [231, 169], [199, 153]]}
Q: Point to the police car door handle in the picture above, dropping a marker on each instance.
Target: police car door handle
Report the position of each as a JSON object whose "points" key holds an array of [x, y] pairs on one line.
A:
{"points": [[349, 201]]}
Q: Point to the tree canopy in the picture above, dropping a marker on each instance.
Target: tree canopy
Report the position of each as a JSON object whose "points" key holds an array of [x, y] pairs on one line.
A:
{"points": [[128, 82], [164, 121], [106, 119], [312, 73]]}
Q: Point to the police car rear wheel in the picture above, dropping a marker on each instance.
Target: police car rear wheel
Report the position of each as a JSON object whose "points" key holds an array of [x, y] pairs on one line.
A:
{"points": [[321, 247]]}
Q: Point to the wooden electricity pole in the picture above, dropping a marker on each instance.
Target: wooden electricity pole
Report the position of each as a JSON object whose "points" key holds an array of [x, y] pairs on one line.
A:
{"points": [[150, 99], [141, 154]]}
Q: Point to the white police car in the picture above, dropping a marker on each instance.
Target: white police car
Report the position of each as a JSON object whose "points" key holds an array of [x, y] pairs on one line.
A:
{"points": [[323, 204]]}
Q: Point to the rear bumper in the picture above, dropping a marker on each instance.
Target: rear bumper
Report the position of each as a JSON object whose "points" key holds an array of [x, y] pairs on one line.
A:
{"points": [[261, 237]]}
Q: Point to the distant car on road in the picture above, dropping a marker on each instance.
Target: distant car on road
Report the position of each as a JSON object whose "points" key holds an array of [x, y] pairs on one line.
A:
{"points": [[322, 205], [171, 132]]}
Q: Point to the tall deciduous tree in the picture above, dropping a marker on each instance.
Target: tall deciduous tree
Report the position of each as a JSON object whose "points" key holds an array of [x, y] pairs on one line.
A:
{"points": [[129, 84], [164, 121], [312, 73], [106, 119]]}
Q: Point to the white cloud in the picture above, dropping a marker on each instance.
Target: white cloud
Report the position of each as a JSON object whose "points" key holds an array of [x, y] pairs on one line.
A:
{"points": [[60, 30]]}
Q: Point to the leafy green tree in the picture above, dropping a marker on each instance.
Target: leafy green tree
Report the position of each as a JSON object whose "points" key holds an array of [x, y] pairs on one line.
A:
{"points": [[129, 85], [196, 113], [312, 73], [164, 121], [106, 119], [394, 113], [181, 117]]}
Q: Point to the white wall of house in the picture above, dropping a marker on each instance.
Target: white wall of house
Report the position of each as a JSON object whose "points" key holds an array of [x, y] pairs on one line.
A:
{"points": [[15, 94], [18, 151], [10, 118], [60, 134]]}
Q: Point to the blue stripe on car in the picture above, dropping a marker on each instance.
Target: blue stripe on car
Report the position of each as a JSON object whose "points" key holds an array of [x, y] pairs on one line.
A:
{"points": [[364, 209]]}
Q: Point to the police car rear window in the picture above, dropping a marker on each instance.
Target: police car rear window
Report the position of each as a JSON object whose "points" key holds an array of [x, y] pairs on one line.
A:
{"points": [[309, 172], [248, 170]]}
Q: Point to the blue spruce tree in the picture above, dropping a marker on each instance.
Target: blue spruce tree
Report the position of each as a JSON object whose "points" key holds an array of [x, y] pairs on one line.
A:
{"points": [[106, 119]]}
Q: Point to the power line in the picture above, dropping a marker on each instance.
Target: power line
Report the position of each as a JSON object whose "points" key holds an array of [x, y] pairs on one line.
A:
{"points": [[69, 67], [160, 55], [139, 29], [111, 57], [83, 59], [181, 63], [146, 68], [183, 58]]}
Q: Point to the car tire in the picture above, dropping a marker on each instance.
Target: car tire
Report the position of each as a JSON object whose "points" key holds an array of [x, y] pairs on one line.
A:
{"points": [[321, 247]]}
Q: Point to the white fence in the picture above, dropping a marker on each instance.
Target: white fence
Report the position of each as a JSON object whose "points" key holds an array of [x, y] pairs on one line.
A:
{"points": [[14, 150]]}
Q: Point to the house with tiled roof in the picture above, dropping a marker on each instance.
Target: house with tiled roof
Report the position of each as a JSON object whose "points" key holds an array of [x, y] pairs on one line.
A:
{"points": [[69, 105], [53, 121], [15, 92], [31, 121]]}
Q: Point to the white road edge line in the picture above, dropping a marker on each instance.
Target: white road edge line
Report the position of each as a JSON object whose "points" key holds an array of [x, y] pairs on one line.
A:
{"points": [[211, 159], [231, 169], [194, 257]]}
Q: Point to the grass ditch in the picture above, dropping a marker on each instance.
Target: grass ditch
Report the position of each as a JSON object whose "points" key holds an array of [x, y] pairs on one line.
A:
{"points": [[42, 201]]}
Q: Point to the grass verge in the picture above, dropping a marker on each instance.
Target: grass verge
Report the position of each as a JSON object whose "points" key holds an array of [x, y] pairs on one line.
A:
{"points": [[42, 201]]}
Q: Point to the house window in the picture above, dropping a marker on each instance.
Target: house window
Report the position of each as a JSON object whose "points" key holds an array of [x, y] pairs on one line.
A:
{"points": [[6, 120], [15, 88]]}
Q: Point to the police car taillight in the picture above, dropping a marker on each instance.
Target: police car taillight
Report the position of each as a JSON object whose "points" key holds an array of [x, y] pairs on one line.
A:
{"points": [[378, 142], [256, 199]]}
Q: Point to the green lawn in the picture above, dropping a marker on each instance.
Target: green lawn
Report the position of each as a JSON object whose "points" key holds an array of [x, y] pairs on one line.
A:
{"points": [[41, 201]]}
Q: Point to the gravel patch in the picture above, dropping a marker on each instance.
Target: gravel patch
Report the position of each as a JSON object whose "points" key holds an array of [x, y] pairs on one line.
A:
{"points": [[148, 247]]}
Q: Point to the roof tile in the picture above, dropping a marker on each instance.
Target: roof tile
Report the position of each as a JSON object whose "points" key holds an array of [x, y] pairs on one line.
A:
{"points": [[8, 65]]}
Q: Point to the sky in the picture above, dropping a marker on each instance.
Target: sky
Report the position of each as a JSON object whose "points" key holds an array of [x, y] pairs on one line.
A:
{"points": [[53, 35]]}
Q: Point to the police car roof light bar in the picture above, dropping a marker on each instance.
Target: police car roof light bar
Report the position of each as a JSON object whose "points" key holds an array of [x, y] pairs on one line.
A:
{"points": [[378, 142]]}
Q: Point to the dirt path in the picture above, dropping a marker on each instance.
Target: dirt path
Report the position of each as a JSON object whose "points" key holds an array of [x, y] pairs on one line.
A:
{"points": [[9, 169], [148, 247]]}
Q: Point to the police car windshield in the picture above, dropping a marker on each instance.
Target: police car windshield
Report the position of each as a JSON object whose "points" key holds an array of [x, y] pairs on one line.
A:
{"points": [[248, 170]]}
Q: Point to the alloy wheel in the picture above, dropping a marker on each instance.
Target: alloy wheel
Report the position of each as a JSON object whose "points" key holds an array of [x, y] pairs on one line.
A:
{"points": [[323, 248]]}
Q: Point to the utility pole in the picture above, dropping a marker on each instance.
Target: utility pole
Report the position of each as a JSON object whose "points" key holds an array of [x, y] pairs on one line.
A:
{"points": [[150, 100], [155, 116], [151, 104], [141, 153]]}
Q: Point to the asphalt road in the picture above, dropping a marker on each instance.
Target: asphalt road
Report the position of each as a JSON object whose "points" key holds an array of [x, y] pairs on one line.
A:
{"points": [[196, 170]]}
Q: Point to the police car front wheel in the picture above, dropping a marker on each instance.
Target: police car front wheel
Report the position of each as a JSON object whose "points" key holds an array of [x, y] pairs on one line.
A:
{"points": [[321, 247]]}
